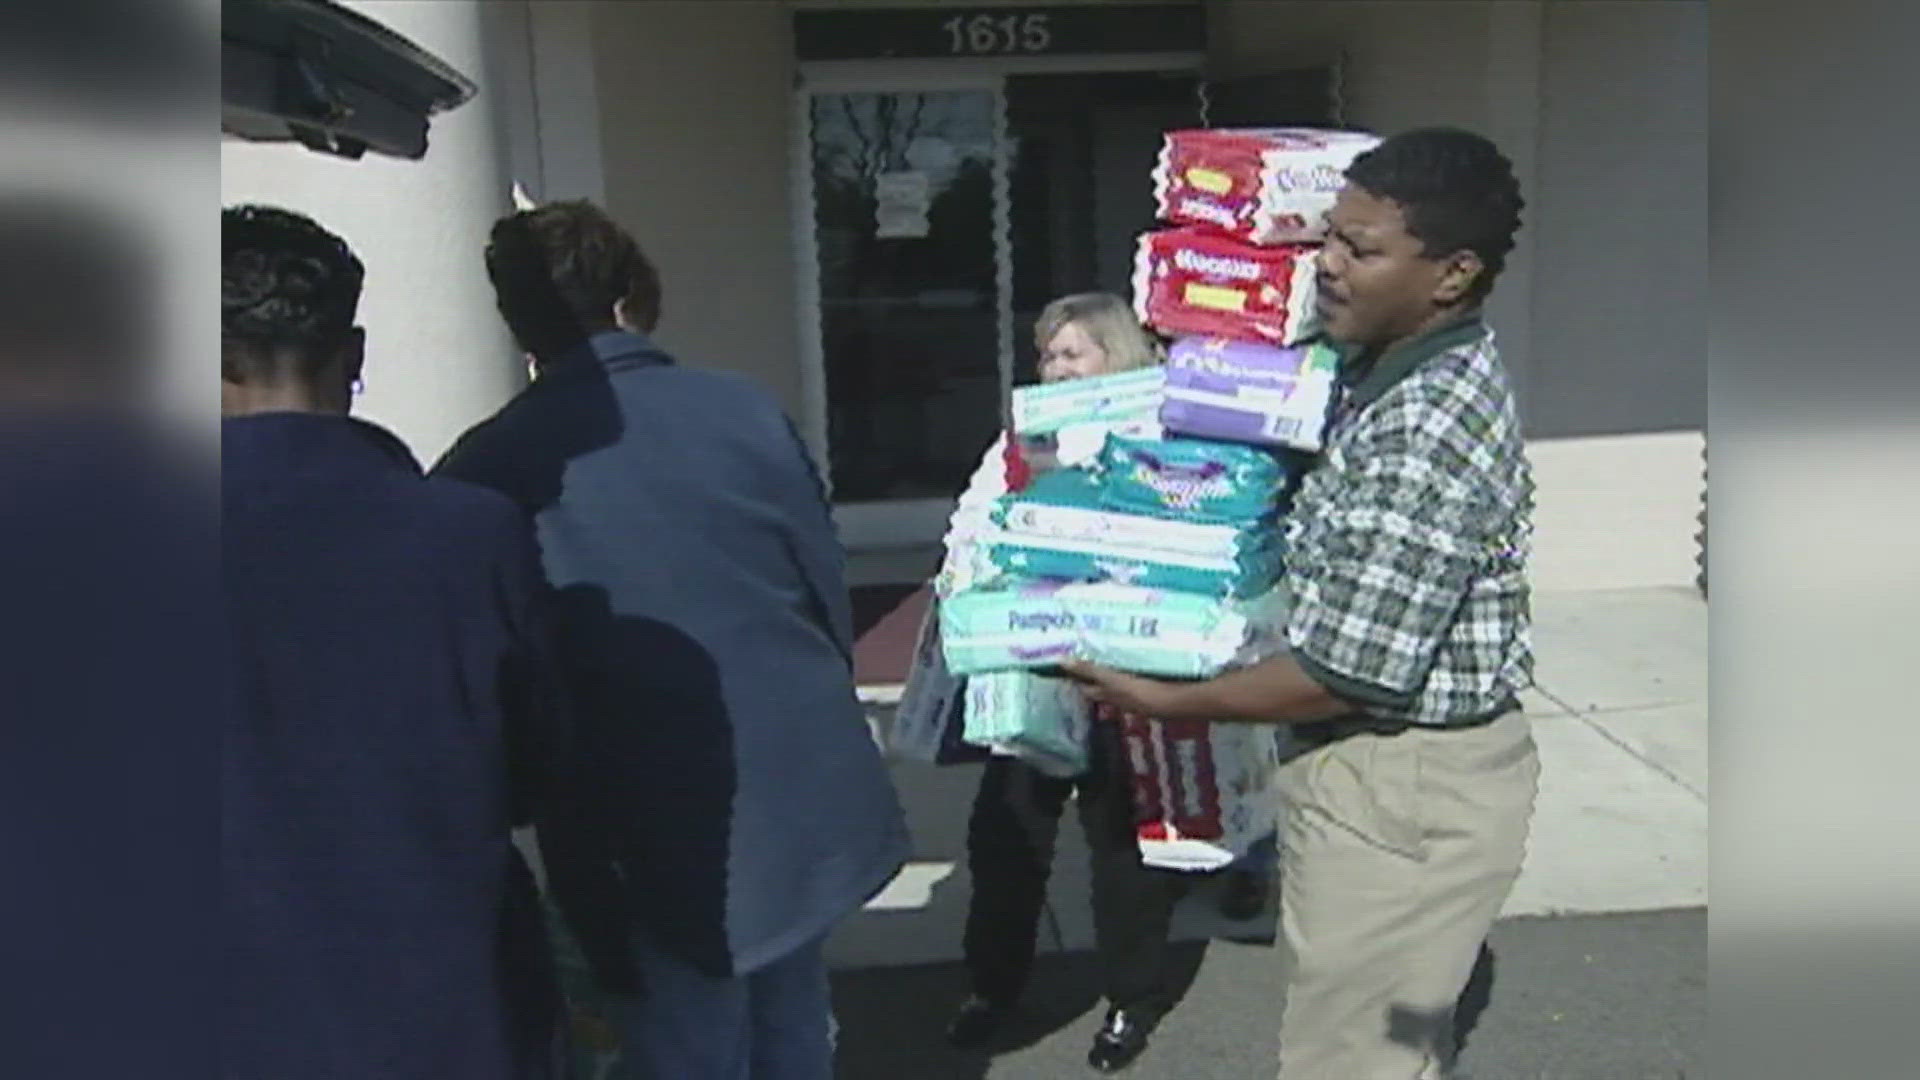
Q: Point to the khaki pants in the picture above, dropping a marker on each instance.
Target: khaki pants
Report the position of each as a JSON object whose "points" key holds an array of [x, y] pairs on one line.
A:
{"points": [[1398, 852]]}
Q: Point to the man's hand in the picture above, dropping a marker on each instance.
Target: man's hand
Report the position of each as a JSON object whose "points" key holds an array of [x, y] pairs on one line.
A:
{"points": [[1127, 693], [1274, 691]]}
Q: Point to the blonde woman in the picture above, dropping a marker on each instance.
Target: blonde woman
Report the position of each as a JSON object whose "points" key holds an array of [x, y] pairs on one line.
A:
{"points": [[1091, 334], [1016, 812], [1077, 336]]}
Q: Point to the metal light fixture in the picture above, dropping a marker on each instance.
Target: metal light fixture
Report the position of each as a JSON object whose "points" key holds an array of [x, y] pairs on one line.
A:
{"points": [[331, 79]]}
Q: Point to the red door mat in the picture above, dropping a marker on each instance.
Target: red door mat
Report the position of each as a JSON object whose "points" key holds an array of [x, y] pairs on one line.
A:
{"points": [[886, 619]]}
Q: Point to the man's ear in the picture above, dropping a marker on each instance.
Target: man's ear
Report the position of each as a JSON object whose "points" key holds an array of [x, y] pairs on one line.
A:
{"points": [[1457, 277], [353, 353]]}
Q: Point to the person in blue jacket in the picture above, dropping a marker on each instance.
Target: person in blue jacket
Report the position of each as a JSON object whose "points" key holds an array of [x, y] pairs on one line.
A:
{"points": [[706, 634], [112, 673], [398, 715]]}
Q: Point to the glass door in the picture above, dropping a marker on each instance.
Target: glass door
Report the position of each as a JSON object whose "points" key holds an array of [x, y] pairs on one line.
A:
{"points": [[940, 211], [905, 238], [1084, 148]]}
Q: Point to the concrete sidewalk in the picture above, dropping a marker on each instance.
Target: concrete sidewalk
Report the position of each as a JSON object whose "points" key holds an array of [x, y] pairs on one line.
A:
{"points": [[1607, 997]]}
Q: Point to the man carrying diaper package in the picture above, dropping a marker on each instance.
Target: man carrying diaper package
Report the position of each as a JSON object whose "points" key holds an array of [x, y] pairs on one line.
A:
{"points": [[1409, 799]]}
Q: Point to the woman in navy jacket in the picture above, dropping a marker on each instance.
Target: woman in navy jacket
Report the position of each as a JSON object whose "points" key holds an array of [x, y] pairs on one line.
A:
{"points": [[706, 636], [396, 717]]}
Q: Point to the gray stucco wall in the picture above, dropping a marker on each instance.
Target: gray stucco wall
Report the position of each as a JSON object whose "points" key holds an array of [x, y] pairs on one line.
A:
{"points": [[1620, 292], [695, 99]]}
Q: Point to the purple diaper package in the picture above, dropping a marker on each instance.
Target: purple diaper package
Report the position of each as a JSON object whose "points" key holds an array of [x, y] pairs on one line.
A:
{"points": [[1244, 392]]}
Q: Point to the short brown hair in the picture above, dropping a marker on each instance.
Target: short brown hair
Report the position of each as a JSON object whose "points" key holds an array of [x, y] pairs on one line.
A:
{"points": [[559, 271]]}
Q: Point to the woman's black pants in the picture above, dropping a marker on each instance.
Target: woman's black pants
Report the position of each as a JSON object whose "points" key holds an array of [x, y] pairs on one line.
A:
{"points": [[1010, 844]]}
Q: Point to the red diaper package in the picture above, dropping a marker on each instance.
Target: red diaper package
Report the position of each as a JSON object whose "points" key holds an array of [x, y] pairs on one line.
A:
{"points": [[1260, 185], [1186, 281], [1203, 794]]}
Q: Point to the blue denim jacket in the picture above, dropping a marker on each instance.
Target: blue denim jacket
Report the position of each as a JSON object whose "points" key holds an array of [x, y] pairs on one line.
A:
{"points": [[706, 631]]}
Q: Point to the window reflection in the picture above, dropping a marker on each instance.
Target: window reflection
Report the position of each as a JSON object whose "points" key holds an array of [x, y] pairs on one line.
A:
{"points": [[908, 310]]}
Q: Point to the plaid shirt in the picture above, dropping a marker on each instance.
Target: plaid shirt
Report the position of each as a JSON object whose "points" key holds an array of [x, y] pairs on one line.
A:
{"points": [[1407, 543]]}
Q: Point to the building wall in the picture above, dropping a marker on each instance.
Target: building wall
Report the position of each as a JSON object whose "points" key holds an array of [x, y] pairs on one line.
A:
{"points": [[438, 358], [1602, 106], [1620, 295], [695, 102], [1406, 62], [1415, 63]]}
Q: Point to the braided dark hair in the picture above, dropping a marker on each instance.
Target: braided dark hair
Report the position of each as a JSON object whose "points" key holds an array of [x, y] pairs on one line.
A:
{"points": [[289, 291]]}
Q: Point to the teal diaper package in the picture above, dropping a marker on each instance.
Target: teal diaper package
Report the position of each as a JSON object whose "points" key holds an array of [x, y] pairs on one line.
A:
{"points": [[1191, 480], [1038, 624], [1240, 575], [1042, 721], [1125, 397], [1069, 504]]}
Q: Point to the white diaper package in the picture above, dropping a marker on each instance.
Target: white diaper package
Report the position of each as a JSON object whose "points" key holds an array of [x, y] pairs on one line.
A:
{"points": [[1038, 624], [1244, 575], [1078, 445], [968, 560], [1042, 721], [1198, 540], [1069, 505], [1124, 397]]}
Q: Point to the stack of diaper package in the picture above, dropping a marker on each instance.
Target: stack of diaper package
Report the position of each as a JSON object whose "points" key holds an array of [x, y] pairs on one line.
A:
{"points": [[1148, 552], [1232, 281], [1155, 546]]}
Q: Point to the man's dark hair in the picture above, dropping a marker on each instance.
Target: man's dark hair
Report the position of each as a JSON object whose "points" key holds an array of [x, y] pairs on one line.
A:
{"points": [[1456, 189], [77, 292], [559, 269], [289, 290]]}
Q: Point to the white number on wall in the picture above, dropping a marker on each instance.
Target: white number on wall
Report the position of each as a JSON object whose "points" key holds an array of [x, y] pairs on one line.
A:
{"points": [[1035, 35], [983, 35]]}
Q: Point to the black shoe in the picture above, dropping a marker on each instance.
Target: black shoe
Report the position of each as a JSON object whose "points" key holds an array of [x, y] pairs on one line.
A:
{"points": [[1244, 895], [1121, 1039], [977, 1021]]}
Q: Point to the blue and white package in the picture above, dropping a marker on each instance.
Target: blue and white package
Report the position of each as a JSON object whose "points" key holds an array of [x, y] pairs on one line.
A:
{"points": [[1042, 721], [1068, 504], [1191, 479], [1126, 397], [1039, 624], [1242, 575], [1078, 446]]}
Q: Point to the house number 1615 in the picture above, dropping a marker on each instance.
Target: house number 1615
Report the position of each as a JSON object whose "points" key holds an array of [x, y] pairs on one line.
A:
{"points": [[986, 34]]}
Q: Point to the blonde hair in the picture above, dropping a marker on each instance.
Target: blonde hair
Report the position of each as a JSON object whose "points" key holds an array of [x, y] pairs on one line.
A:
{"points": [[1109, 321]]}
